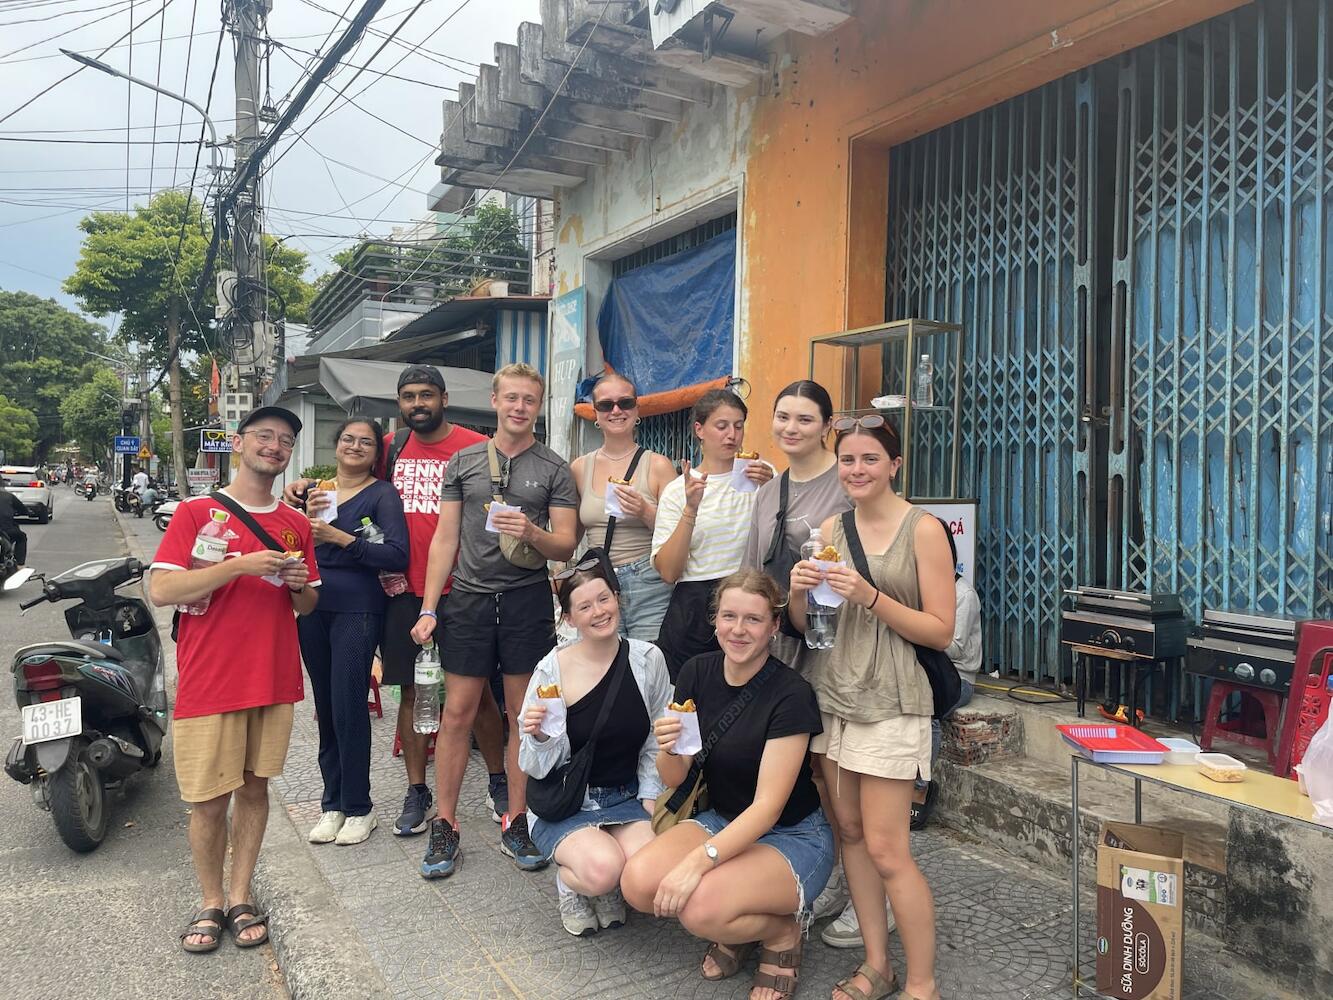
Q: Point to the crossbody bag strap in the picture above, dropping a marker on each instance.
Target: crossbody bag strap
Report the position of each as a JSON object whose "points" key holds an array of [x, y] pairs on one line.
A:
{"points": [[610, 519], [854, 546], [621, 667], [780, 522], [497, 492], [396, 447], [246, 519]]}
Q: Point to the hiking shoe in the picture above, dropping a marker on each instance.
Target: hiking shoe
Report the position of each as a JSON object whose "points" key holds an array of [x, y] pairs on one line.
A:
{"points": [[356, 829], [497, 795], [416, 812], [610, 910], [327, 828], [845, 932], [576, 913], [833, 898], [442, 853], [921, 811], [515, 842]]}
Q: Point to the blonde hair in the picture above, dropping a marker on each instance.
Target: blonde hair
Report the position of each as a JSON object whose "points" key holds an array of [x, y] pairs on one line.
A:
{"points": [[752, 581], [518, 370]]}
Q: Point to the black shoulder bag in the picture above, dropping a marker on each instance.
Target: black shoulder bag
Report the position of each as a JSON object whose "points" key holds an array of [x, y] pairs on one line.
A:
{"points": [[781, 557], [560, 794], [945, 684], [396, 446], [610, 519], [246, 519]]}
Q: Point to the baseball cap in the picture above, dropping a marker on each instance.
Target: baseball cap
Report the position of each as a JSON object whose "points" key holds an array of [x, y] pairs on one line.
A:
{"points": [[422, 375], [259, 412]]}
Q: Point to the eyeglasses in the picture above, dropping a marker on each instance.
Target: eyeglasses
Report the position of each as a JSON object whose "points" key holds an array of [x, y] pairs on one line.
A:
{"points": [[586, 563], [266, 436], [348, 441], [626, 403], [870, 421]]}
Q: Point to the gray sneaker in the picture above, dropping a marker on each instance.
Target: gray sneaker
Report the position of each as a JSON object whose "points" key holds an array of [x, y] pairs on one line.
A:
{"points": [[845, 932], [576, 913], [610, 909], [833, 898]]}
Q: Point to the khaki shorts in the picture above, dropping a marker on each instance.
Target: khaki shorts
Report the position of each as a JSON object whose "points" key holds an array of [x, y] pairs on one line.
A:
{"points": [[892, 748], [213, 752]]}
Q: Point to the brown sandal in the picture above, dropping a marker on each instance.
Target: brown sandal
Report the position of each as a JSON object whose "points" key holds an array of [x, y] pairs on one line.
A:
{"points": [[883, 989], [783, 984], [207, 924], [727, 964]]}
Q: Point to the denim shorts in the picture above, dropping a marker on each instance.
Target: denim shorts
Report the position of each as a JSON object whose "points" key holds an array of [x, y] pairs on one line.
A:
{"points": [[807, 846], [614, 807], [644, 597]]}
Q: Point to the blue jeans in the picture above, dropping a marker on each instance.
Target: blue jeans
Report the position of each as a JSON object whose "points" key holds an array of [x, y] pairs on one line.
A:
{"points": [[644, 597], [936, 737], [806, 845]]}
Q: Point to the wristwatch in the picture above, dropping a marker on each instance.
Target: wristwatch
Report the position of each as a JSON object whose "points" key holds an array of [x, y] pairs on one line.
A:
{"points": [[711, 851]]}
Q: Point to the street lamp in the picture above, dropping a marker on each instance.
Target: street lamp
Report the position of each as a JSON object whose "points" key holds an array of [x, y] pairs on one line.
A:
{"points": [[97, 64]]}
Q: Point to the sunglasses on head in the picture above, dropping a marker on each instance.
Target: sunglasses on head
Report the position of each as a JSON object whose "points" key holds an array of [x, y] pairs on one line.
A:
{"points": [[586, 563], [607, 405], [869, 422]]}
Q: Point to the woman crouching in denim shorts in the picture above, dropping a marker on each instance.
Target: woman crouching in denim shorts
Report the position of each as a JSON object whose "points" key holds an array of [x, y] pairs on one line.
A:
{"points": [[709, 872], [590, 848]]}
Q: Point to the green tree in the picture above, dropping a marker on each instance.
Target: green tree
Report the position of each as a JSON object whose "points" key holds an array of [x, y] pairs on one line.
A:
{"points": [[41, 343], [18, 431], [91, 413], [493, 230]]}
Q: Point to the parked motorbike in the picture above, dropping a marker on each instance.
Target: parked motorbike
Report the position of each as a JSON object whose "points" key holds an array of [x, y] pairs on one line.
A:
{"points": [[120, 497], [162, 513], [8, 564], [94, 706], [134, 504]]}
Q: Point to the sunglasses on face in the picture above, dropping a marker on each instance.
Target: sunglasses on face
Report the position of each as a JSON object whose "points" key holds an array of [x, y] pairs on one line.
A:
{"points": [[626, 403], [586, 563], [869, 422]]}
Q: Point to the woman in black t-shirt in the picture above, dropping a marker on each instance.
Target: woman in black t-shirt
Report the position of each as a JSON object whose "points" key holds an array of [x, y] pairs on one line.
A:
{"points": [[708, 871]]}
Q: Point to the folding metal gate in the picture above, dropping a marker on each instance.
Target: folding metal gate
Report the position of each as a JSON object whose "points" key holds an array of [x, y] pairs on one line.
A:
{"points": [[1140, 254]]}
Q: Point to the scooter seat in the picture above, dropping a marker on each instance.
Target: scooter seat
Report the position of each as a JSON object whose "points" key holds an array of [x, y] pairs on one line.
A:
{"points": [[76, 646]]}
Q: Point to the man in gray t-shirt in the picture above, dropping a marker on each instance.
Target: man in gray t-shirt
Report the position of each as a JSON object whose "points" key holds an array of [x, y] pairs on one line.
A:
{"points": [[497, 615]]}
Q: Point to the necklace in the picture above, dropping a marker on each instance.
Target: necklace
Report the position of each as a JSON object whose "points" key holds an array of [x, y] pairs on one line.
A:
{"points": [[617, 458]]}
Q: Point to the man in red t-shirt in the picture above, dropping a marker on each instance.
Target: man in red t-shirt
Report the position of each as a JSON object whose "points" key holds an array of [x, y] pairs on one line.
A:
{"points": [[418, 473], [239, 663]]}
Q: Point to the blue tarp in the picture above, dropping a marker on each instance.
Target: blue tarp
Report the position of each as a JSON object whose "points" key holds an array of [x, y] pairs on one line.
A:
{"points": [[668, 324]]}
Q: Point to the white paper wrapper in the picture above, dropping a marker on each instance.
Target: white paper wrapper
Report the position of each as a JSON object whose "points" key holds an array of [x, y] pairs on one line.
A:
{"points": [[276, 580], [740, 482], [553, 722], [823, 593], [613, 508], [331, 511], [498, 508], [690, 741]]}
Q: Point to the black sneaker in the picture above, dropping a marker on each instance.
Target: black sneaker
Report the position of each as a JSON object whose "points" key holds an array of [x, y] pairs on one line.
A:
{"points": [[442, 853], [515, 842], [921, 811], [416, 812], [497, 795]]}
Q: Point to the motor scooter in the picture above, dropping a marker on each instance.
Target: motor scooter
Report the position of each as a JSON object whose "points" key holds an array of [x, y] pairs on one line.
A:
{"points": [[134, 504], [8, 564], [120, 498], [94, 706], [162, 512]]}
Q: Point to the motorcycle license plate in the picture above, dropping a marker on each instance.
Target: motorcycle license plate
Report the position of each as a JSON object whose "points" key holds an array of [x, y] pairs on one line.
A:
{"points": [[52, 720]]}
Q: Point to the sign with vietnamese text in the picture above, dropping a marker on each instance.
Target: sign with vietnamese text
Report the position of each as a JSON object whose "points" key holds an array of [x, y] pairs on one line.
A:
{"points": [[214, 441], [127, 445], [566, 354], [961, 517], [200, 480]]}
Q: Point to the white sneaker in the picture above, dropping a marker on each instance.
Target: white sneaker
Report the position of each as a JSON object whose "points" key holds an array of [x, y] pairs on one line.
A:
{"points": [[327, 828], [610, 909], [845, 932], [356, 829], [833, 898], [576, 913]]}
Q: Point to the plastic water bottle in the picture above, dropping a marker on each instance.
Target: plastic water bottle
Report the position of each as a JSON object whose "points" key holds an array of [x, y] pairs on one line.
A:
{"points": [[393, 583], [428, 677], [821, 621], [924, 394], [210, 548]]}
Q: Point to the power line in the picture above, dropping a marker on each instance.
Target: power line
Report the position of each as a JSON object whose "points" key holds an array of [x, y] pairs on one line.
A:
{"points": [[129, 103], [185, 87], [63, 13], [67, 31], [414, 48], [378, 72]]}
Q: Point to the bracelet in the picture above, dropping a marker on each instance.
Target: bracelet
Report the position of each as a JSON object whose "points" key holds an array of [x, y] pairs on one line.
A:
{"points": [[871, 605], [423, 613]]}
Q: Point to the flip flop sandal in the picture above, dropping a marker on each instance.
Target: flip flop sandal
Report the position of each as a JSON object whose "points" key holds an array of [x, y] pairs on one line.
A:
{"points": [[206, 924], [236, 924], [727, 964], [784, 984], [883, 989]]}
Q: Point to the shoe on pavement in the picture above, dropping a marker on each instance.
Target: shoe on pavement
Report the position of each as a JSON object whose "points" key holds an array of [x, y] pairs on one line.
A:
{"points": [[515, 841], [610, 909], [833, 898], [845, 932], [497, 795], [416, 812], [356, 829], [327, 828], [576, 913], [443, 853]]}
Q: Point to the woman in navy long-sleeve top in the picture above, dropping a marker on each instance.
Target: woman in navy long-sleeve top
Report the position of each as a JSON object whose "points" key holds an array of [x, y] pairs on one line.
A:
{"points": [[339, 637]]}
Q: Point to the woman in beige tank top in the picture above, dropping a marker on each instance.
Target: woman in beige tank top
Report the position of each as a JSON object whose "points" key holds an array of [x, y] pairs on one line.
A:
{"points": [[875, 701], [643, 593]]}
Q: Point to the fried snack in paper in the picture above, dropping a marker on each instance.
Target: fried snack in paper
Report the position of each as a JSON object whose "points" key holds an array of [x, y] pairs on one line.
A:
{"points": [[327, 484], [687, 707], [294, 554], [548, 690], [748, 456], [828, 554], [618, 482]]}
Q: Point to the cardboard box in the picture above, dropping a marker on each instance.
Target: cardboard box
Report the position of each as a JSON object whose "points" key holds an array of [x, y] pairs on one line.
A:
{"points": [[1140, 911]]}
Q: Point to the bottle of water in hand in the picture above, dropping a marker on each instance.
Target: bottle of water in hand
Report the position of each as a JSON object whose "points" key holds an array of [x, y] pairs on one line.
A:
{"points": [[210, 548], [821, 621], [428, 678], [393, 583]]}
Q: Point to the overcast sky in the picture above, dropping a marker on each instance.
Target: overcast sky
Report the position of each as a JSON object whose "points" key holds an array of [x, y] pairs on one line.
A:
{"points": [[46, 187]]}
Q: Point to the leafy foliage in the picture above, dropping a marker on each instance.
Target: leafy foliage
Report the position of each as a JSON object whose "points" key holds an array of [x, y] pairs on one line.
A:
{"points": [[319, 472], [18, 432], [91, 412]]}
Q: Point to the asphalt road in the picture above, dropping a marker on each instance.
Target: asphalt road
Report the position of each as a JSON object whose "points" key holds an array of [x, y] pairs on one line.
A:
{"points": [[102, 924]]}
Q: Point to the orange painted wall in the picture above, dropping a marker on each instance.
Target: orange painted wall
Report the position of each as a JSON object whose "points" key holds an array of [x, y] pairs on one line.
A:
{"points": [[816, 201]]}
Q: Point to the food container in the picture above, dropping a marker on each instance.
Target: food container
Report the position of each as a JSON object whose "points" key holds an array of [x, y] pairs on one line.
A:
{"points": [[1179, 751], [1220, 767], [1113, 744]]}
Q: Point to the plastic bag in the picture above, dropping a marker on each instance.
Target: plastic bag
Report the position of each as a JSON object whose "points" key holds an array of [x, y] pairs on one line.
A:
{"points": [[1317, 769]]}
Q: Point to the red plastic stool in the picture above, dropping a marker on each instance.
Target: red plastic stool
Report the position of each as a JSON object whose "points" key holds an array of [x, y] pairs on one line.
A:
{"points": [[398, 745], [374, 703], [1272, 706]]}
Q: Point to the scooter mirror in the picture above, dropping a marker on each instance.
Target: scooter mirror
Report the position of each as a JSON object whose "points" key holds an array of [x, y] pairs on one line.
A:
{"points": [[19, 579]]}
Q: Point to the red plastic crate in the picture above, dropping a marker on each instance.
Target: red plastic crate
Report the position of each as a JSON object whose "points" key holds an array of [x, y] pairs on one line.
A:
{"points": [[1110, 744]]}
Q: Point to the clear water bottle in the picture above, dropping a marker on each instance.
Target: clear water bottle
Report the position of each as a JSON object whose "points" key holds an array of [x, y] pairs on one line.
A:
{"points": [[429, 680], [821, 621], [393, 583], [210, 548], [924, 391]]}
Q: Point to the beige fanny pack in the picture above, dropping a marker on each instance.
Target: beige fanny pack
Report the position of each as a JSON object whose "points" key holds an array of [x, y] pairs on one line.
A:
{"points": [[518, 552]]}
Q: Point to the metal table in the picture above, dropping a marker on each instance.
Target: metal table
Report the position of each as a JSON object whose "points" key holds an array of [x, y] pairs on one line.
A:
{"points": [[1259, 792]]}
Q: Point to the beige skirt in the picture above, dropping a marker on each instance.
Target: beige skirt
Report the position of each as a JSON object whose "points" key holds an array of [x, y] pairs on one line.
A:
{"points": [[891, 748]]}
